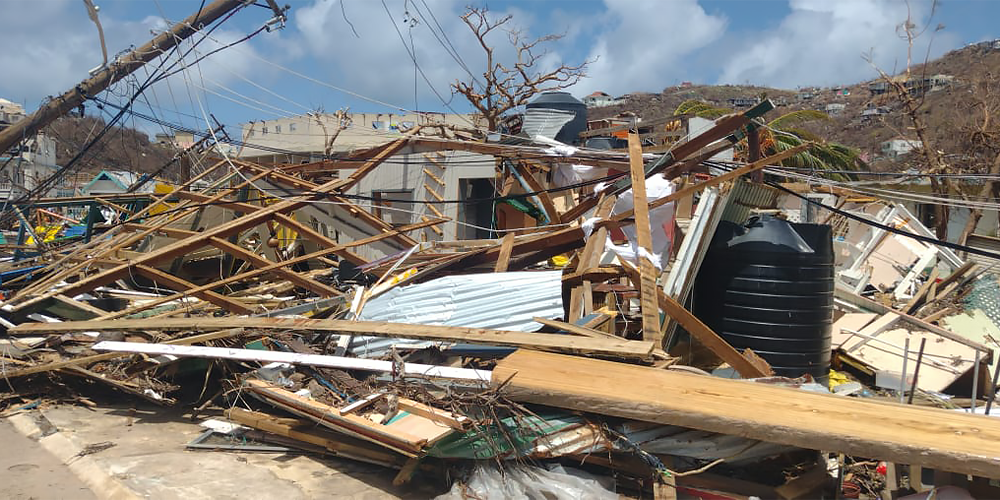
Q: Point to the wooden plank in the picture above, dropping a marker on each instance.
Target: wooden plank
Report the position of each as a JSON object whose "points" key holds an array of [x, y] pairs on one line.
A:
{"points": [[704, 334], [559, 343], [306, 431], [316, 237], [430, 174], [937, 438], [647, 271], [85, 310], [506, 245], [433, 193], [261, 262], [330, 417], [259, 271], [95, 358], [195, 242], [921, 292], [574, 329], [184, 286]]}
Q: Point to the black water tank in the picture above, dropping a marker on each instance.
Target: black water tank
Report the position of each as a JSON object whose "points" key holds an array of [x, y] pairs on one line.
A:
{"points": [[564, 101], [768, 286]]}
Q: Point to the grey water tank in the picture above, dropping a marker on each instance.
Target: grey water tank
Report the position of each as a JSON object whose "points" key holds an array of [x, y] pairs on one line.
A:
{"points": [[564, 101], [768, 286]]}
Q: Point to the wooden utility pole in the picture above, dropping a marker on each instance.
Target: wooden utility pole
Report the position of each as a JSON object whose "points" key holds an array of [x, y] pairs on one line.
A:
{"points": [[117, 70]]}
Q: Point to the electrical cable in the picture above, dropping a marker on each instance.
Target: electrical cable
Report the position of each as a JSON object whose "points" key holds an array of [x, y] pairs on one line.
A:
{"points": [[869, 222]]}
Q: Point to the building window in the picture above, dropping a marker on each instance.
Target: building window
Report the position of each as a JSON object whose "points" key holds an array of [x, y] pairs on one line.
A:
{"points": [[277, 129], [263, 131], [291, 127], [378, 125], [394, 206], [407, 125]]}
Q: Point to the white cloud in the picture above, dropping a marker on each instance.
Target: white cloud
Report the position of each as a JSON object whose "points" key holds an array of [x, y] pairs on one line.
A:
{"points": [[643, 44], [822, 42], [52, 45], [58, 44]]}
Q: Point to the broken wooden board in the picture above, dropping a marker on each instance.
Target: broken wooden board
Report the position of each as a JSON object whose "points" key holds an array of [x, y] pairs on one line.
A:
{"points": [[306, 431], [631, 349], [936, 438], [409, 434]]}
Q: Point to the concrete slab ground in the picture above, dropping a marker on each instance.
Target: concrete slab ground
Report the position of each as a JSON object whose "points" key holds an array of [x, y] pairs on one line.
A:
{"points": [[29, 472], [149, 460]]}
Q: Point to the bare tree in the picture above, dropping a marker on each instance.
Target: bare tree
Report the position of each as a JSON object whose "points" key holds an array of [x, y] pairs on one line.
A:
{"points": [[975, 129], [343, 120], [505, 87]]}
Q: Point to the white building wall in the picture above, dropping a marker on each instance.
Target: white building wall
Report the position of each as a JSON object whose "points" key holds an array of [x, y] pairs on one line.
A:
{"points": [[305, 134]]}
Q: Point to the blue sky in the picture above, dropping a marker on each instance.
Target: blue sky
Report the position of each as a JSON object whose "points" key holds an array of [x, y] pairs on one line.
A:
{"points": [[316, 61]]}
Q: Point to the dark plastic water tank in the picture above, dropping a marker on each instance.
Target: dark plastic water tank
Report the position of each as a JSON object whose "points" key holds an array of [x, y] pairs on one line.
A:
{"points": [[564, 101], [768, 286]]}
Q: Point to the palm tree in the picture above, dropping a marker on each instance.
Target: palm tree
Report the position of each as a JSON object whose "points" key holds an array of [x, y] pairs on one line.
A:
{"points": [[783, 133]]}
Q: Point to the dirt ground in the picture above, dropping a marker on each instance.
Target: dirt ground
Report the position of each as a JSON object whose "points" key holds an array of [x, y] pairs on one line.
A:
{"points": [[28, 472]]}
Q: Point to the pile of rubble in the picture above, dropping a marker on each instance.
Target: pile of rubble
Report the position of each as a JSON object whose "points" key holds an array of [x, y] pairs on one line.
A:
{"points": [[577, 358]]}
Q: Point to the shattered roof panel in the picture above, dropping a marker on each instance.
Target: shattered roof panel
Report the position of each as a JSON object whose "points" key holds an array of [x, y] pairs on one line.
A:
{"points": [[499, 301]]}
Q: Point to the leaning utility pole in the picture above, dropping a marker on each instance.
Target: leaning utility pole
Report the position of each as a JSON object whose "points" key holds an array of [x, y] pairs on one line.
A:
{"points": [[118, 69]]}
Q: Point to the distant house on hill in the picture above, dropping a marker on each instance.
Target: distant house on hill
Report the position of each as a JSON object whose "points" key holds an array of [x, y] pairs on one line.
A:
{"points": [[834, 108], [114, 182], [894, 148], [598, 99], [743, 102]]}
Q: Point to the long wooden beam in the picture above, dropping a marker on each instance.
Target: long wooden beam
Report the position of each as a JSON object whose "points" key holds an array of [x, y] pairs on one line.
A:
{"points": [[936, 438], [261, 262], [96, 358], [186, 287], [256, 272], [551, 342], [223, 230]]}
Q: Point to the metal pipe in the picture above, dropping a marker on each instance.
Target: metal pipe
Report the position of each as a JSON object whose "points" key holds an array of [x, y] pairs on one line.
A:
{"points": [[916, 371], [993, 388], [975, 383], [902, 378]]}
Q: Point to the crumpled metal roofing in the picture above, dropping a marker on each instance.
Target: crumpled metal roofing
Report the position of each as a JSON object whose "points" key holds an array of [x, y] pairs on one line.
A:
{"points": [[497, 301], [545, 122]]}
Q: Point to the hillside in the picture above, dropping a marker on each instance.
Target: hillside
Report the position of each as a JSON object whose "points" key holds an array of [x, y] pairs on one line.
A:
{"points": [[120, 149], [945, 111]]}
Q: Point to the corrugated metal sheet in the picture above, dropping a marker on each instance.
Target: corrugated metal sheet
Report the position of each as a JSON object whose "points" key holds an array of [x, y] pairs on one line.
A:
{"points": [[545, 122], [498, 301], [747, 196], [988, 244]]}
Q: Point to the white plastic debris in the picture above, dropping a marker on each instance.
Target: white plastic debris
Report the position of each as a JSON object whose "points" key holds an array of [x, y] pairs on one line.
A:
{"points": [[524, 482]]}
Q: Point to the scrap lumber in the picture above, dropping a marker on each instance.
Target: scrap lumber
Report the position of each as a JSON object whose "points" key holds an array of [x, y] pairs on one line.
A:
{"points": [[911, 306], [560, 343], [647, 271], [858, 301], [941, 439], [294, 358], [235, 226], [408, 435], [86, 360], [306, 431], [262, 270], [186, 287], [575, 329], [749, 368], [503, 260]]}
